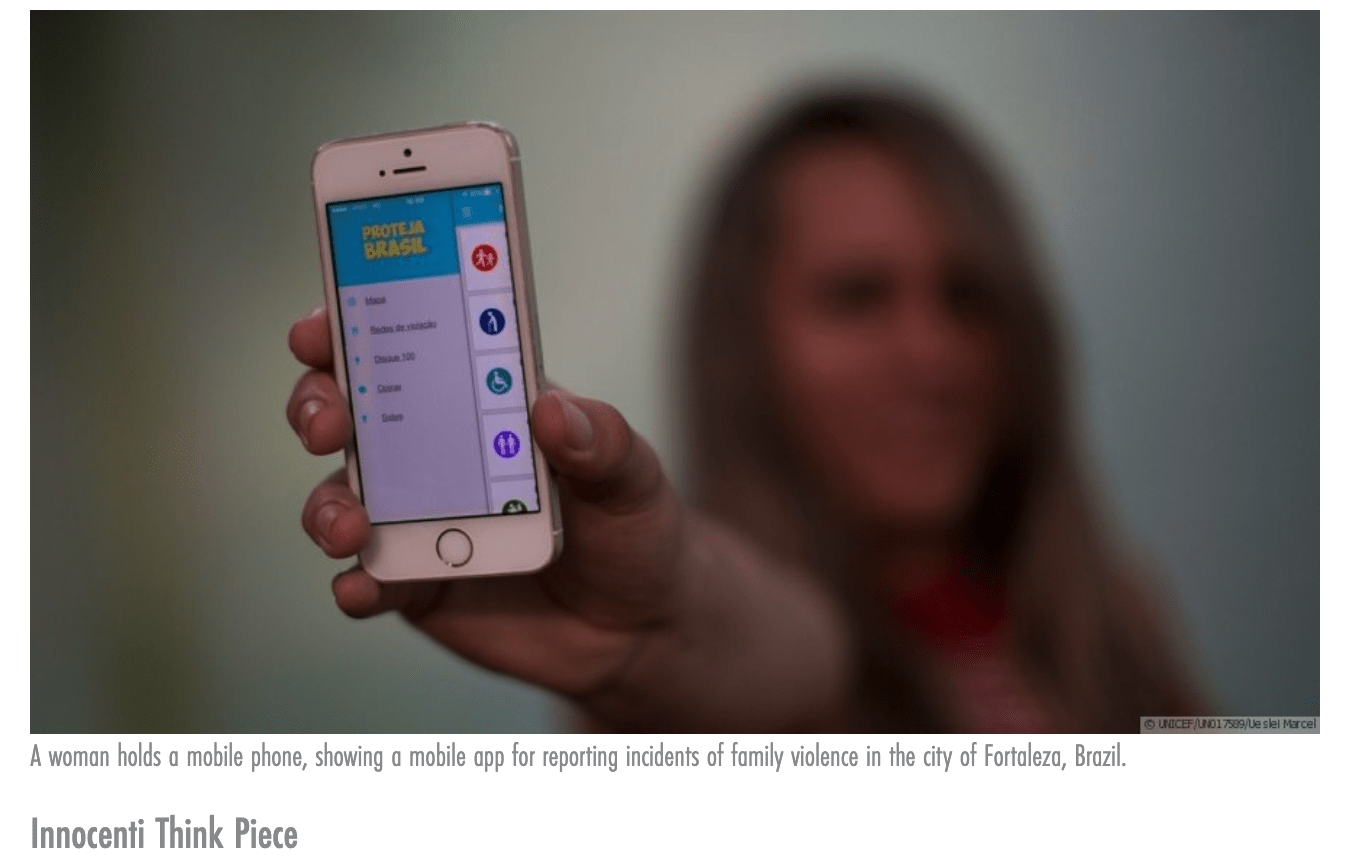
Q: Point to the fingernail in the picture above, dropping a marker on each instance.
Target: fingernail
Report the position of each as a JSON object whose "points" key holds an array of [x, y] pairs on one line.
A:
{"points": [[325, 517], [311, 313], [580, 433], [309, 409]]}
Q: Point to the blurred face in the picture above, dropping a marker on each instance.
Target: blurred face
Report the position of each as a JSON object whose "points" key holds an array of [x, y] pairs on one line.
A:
{"points": [[886, 367]]}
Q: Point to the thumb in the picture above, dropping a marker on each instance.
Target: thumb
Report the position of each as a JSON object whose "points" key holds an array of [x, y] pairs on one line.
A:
{"points": [[595, 452]]}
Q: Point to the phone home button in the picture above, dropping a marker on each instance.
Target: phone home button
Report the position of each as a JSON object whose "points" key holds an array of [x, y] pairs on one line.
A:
{"points": [[454, 548]]}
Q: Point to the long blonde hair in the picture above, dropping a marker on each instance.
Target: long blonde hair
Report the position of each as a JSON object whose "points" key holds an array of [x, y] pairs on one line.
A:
{"points": [[1081, 625]]}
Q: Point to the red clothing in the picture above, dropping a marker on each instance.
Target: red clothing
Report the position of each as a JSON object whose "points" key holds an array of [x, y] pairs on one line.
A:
{"points": [[955, 610], [961, 622]]}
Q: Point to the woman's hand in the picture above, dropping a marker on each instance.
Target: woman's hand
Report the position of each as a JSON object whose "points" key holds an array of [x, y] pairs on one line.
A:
{"points": [[632, 616]]}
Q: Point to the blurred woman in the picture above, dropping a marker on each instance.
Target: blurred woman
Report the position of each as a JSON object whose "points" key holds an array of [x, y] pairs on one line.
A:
{"points": [[890, 526], [878, 386]]}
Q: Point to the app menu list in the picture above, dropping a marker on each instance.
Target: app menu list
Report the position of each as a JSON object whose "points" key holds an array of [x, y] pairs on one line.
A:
{"points": [[410, 387]]}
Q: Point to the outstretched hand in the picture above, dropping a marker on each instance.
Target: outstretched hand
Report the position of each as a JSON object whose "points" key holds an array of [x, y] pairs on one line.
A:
{"points": [[572, 627]]}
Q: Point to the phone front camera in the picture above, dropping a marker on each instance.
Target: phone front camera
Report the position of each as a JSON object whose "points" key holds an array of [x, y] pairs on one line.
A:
{"points": [[382, 172], [407, 152]]}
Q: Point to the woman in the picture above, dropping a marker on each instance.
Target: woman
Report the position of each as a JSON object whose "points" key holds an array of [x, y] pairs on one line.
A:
{"points": [[890, 528]]}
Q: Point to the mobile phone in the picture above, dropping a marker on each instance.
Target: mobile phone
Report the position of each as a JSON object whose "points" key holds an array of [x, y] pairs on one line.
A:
{"points": [[425, 258]]}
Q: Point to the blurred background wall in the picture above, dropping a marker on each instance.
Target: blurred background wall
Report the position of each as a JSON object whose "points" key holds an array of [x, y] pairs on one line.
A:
{"points": [[1170, 163]]}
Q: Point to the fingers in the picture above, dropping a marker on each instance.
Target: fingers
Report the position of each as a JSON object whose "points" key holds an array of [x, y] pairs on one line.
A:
{"points": [[359, 595], [310, 339], [316, 410], [334, 518], [595, 452], [318, 413]]}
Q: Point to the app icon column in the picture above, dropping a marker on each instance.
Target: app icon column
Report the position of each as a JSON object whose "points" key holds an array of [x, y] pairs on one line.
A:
{"points": [[498, 369]]}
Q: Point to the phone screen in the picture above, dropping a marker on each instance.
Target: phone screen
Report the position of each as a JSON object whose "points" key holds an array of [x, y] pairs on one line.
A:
{"points": [[431, 344]]}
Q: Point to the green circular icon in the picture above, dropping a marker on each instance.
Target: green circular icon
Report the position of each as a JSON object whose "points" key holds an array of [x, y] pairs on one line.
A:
{"points": [[499, 381], [514, 506]]}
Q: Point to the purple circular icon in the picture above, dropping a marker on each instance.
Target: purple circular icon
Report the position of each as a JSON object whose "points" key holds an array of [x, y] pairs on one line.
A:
{"points": [[506, 444]]}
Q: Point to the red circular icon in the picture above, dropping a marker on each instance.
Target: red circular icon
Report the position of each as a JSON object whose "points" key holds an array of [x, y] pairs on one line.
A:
{"points": [[484, 257]]}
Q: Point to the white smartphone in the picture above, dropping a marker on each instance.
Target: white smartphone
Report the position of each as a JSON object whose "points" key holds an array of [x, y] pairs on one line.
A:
{"points": [[425, 255]]}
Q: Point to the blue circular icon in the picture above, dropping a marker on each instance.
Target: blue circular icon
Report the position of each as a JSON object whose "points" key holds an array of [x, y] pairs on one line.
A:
{"points": [[492, 321], [499, 381], [506, 444]]}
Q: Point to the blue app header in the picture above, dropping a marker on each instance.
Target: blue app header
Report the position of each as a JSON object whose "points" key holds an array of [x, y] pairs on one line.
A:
{"points": [[477, 205], [406, 237]]}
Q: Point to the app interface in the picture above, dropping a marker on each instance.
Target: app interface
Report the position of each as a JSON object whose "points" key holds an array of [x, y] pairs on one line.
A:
{"points": [[431, 345]]}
